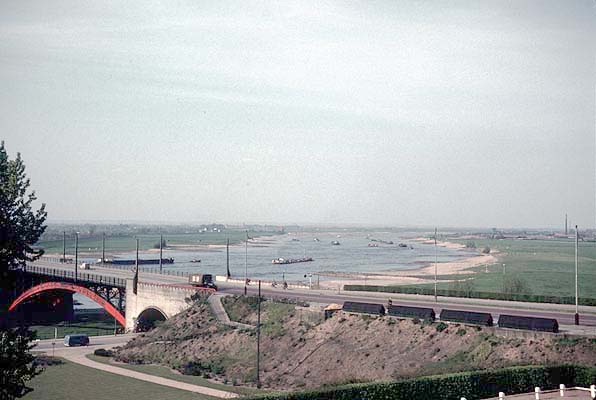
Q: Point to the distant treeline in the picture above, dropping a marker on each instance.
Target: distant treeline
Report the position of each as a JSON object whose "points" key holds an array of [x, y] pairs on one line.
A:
{"points": [[56, 231]]}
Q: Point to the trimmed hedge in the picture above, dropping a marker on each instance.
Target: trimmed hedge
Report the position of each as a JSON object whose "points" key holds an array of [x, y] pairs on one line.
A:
{"points": [[471, 385], [103, 353], [531, 298]]}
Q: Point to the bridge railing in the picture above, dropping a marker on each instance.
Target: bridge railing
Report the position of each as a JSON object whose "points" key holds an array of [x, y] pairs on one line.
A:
{"points": [[82, 277], [150, 270]]}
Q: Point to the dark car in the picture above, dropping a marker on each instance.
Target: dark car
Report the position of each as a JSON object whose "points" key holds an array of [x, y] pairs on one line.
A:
{"points": [[76, 340]]}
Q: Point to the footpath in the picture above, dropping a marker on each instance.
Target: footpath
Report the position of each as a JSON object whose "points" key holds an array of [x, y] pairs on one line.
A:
{"points": [[221, 314], [81, 358]]}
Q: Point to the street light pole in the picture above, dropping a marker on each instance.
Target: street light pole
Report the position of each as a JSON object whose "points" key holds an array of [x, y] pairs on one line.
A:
{"points": [[576, 286], [103, 249], [160, 252], [64, 247], [259, 336], [246, 263], [436, 300], [76, 256]]}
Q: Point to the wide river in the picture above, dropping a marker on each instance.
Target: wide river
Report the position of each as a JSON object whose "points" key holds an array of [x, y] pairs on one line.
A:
{"points": [[351, 256]]}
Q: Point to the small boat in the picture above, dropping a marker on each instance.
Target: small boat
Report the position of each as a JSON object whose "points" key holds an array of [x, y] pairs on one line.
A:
{"points": [[373, 245], [281, 260], [195, 260], [335, 243], [402, 245], [316, 239]]}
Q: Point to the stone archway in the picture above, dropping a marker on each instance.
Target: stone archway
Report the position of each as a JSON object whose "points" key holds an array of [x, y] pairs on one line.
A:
{"points": [[148, 318]]}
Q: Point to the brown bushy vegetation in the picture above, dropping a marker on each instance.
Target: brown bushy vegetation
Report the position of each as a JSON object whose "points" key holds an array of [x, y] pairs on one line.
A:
{"points": [[299, 353]]}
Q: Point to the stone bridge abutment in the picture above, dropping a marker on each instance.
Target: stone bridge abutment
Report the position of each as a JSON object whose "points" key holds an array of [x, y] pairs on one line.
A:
{"points": [[154, 302]]}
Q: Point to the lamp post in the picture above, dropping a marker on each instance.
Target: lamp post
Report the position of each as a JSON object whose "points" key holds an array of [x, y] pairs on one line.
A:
{"points": [[64, 247], [259, 337], [76, 257], [246, 263], [576, 286], [436, 300], [160, 253], [103, 249]]}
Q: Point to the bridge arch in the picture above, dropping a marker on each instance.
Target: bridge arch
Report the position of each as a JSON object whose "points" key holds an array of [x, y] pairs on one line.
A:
{"points": [[148, 317], [69, 287]]}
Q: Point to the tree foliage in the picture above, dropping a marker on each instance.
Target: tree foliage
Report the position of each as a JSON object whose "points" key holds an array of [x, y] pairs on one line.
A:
{"points": [[20, 225], [516, 285], [464, 286], [17, 364]]}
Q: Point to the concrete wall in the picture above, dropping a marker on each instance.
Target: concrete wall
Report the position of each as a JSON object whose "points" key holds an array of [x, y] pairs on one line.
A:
{"points": [[169, 299], [255, 283]]}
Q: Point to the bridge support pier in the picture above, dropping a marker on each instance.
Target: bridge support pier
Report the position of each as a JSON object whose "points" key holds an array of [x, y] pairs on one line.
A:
{"points": [[153, 301]]}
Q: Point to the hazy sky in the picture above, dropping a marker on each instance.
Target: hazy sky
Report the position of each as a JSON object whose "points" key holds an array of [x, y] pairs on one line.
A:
{"points": [[465, 113]]}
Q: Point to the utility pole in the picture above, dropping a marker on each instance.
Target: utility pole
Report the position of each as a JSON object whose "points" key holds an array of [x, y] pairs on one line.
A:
{"points": [[246, 263], [259, 336], [64, 247], [228, 274], [135, 281], [76, 256], [160, 252], [436, 265], [576, 286], [103, 249]]}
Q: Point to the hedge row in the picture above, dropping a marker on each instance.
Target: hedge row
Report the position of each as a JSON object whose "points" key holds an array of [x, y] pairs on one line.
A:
{"points": [[532, 298], [471, 385]]}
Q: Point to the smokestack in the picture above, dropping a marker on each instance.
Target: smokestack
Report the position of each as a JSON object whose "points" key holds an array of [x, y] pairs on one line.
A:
{"points": [[566, 230]]}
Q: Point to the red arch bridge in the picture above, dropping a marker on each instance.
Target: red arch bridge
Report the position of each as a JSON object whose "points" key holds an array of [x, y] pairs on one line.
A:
{"points": [[134, 307], [70, 287]]}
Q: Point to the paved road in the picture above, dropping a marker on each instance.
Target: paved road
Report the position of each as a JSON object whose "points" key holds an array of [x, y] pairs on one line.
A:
{"points": [[562, 312], [95, 342], [79, 355], [493, 307]]}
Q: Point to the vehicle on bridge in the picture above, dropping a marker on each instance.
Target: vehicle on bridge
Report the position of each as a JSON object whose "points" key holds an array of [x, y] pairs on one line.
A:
{"points": [[76, 340], [202, 280]]}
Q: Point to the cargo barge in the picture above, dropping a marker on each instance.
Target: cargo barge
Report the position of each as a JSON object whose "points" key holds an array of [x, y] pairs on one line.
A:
{"points": [[291, 260], [151, 261]]}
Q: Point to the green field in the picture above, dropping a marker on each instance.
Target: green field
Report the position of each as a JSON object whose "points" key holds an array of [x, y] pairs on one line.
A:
{"points": [[93, 328], [70, 381], [166, 372], [539, 267], [146, 242], [88, 322]]}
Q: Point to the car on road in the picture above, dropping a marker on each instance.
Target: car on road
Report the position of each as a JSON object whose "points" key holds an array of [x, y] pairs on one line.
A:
{"points": [[76, 340]]}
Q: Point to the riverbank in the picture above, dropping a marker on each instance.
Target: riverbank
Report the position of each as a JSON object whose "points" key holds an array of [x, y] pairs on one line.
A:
{"points": [[90, 248], [423, 274]]}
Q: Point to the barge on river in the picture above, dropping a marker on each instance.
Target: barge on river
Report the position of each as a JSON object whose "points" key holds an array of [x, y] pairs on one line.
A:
{"points": [[291, 260]]}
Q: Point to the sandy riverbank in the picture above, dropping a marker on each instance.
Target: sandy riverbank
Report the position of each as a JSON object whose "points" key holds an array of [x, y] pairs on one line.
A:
{"points": [[424, 274]]}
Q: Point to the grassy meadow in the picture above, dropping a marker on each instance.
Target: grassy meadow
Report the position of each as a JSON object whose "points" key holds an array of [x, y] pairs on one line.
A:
{"points": [[69, 381], [539, 267]]}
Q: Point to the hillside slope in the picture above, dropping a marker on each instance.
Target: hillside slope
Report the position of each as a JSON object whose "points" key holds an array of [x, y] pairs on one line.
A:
{"points": [[298, 353]]}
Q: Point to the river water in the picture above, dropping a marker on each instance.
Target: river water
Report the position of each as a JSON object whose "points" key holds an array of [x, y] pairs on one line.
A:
{"points": [[351, 256]]}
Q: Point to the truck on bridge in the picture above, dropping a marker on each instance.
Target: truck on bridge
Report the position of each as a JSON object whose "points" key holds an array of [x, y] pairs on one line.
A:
{"points": [[202, 280]]}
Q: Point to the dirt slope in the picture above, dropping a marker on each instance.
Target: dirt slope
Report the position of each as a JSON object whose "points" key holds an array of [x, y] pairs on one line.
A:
{"points": [[298, 353]]}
